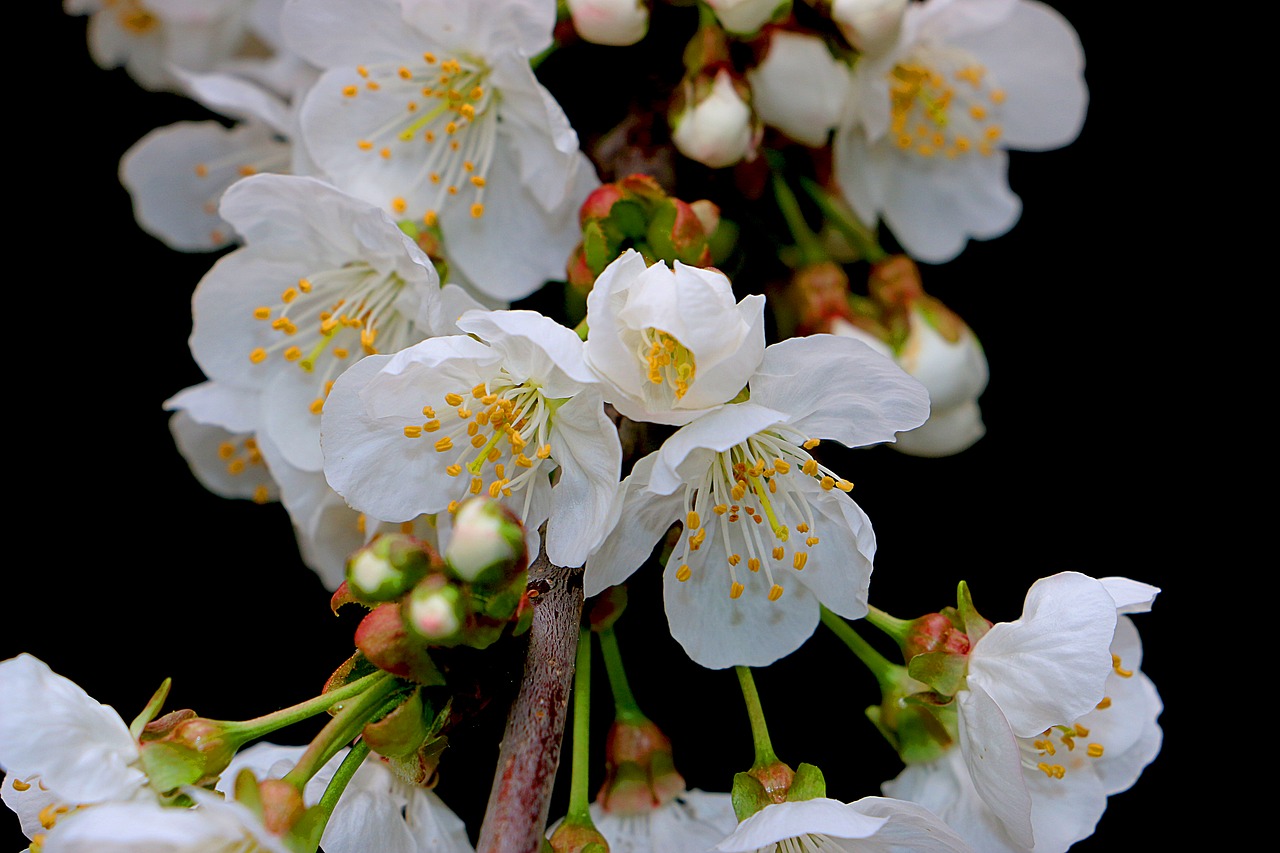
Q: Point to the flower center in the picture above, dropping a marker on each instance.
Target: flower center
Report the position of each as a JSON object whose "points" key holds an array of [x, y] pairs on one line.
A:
{"points": [[942, 104], [243, 455], [807, 843], [671, 365], [491, 438], [1054, 753], [326, 316], [132, 16], [756, 481], [445, 132]]}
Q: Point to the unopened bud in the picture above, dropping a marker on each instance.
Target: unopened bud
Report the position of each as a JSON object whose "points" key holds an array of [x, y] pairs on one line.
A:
{"points": [[675, 233], [934, 632], [743, 17], [872, 26], [487, 544], [388, 566], [640, 773], [611, 22], [577, 838], [715, 125], [282, 805], [433, 610]]}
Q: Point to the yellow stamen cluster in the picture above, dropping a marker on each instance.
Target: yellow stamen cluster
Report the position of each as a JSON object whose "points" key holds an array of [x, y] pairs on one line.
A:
{"points": [[942, 112], [444, 99], [670, 362], [1045, 748], [240, 457]]}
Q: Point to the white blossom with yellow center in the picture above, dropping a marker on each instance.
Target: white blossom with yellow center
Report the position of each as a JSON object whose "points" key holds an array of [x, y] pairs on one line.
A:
{"points": [[419, 432], [431, 111], [923, 143], [321, 280], [1007, 786], [670, 342], [769, 532]]}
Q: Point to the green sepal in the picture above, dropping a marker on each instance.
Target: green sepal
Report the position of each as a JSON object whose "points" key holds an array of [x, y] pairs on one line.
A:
{"points": [[153, 707], [169, 765], [247, 792], [629, 218], [597, 249], [304, 836], [400, 732], [943, 671], [352, 669], [875, 715], [807, 784], [748, 796], [974, 625], [923, 735]]}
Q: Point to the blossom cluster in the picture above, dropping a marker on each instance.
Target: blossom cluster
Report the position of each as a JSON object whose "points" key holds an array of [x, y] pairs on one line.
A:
{"points": [[390, 198]]}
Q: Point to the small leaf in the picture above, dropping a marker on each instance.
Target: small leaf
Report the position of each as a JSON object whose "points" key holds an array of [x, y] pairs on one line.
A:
{"points": [[153, 707]]}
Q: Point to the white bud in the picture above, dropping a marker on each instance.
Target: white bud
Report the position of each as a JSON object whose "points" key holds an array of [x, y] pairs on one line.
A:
{"points": [[611, 22], [434, 616], [485, 540], [715, 131], [955, 374], [799, 87], [743, 17], [872, 26]]}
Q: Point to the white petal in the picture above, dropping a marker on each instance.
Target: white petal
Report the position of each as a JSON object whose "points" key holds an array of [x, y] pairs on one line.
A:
{"points": [[1130, 596], [534, 347], [584, 443], [909, 827], [233, 409], [684, 457], [780, 821], [994, 761], [800, 87], [837, 387], [1063, 811], [241, 476], [51, 728], [1050, 666], [838, 570], [644, 517], [946, 433]]}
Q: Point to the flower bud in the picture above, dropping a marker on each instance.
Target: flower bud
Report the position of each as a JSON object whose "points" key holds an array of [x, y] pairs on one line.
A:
{"points": [[433, 610], [955, 372], [675, 233], [487, 544], [577, 838], [744, 17], [388, 643], [715, 125], [640, 773], [610, 22], [934, 632], [872, 26], [388, 566]]}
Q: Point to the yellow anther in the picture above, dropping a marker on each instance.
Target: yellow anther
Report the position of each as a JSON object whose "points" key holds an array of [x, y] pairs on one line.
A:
{"points": [[341, 352], [524, 461], [479, 392], [1094, 750], [476, 485], [811, 444], [262, 313], [202, 171], [962, 144], [413, 431], [361, 523], [453, 470], [473, 428], [49, 815], [236, 467], [372, 85], [489, 399], [467, 111], [993, 133], [429, 136], [1081, 731], [431, 425], [1115, 665], [734, 559], [19, 785], [429, 218], [226, 450], [925, 151], [478, 441], [364, 145], [720, 509], [362, 71], [754, 564], [385, 154], [692, 521], [696, 540], [453, 507], [404, 73], [735, 590], [444, 444], [1069, 742], [317, 405], [258, 356], [978, 111], [1053, 771], [349, 91], [289, 295], [451, 127], [292, 354], [453, 399], [903, 141], [683, 573], [477, 93], [775, 592], [452, 190], [810, 467], [782, 466], [453, 146], [802, 528], [411, 106], [844, 485], [398, 204], [1104, 704], [429, 58], [544, 451], [495, 488], [827, 483], [477, 210], [998, 96], [1046, 746], [428, 411], [434, 177], [260, 494], [799, 560], [811, 541], [779, 552], [739, 490]]}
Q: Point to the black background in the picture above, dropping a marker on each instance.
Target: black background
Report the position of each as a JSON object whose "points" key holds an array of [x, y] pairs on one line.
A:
{"points": [[125, 571]]}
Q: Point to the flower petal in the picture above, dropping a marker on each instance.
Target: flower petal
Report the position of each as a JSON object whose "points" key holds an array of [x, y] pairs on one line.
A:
{"points": [[994, 761]]}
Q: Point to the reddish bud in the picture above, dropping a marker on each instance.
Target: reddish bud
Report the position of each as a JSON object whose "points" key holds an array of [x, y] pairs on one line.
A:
{"points": [[640, 772], [385, 640], [282, 805], [934, 632]]}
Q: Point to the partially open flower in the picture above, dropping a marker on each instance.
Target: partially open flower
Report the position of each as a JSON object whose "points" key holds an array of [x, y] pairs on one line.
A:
{"points": [[611, 22]]}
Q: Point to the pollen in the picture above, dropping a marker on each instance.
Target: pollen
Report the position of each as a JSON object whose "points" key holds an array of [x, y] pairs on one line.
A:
{"points": [[683, 573], [754, 564], [404, 73], [692, 521], [799, 560], [477, 210], [453, 399], [260, 494], [453, 470], [317, 405], [1115, 665], [444, 444], [262, 313], [1104, 704], [349, 91], [202, 171], [258, 356], [398, 204], [1094, 750], [19, 785], [735, 590], [413, 431], [775, 592]]}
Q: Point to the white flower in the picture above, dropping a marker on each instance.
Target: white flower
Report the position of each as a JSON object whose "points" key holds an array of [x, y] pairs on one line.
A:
{"points": [[869, 825], [744, 17], [213, 825], [691, 822], [1057, 718], [150, 39], [871, 26], [377, 811], [430, 110], [798, 87], [59, 748], [612, 22], [924, 143], [417, 432], [322, 279], [670, 341], [760, 515], [715, 127]]}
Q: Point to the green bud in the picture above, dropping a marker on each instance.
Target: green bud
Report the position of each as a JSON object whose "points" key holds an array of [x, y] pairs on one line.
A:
{"points": [[388, 566], [433, 611], [487, 544]]}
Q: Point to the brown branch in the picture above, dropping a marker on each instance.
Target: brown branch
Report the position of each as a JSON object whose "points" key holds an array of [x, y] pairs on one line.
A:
{"points": [[516, 817]]}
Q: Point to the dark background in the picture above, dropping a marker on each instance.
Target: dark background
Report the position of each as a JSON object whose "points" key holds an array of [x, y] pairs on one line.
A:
{"points": [[126, 571]]}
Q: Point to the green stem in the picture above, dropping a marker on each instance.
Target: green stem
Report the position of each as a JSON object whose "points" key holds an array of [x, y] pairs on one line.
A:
{"points": [[891, 625], [579, 794], [862, 238], [625, 706], [267, 723], [343, 728], [882, 668], [323, 810], [765, 755], [811, 251]]}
